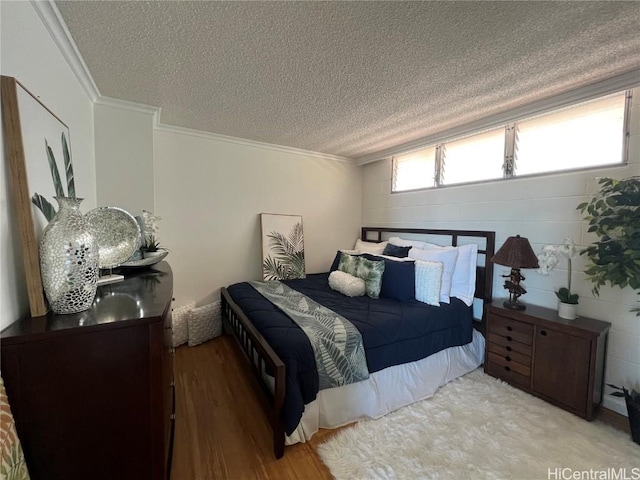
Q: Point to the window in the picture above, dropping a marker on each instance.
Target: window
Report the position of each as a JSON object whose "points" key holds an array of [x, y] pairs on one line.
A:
{"points": [[586, 135], [414, 170], [472, 159]]}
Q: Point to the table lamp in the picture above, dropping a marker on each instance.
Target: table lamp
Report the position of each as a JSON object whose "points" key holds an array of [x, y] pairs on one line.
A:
{"points": [[515, 253]]}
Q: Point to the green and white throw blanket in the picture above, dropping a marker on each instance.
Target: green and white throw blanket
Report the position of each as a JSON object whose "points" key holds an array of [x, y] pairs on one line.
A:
{"points": [[337, 344]]}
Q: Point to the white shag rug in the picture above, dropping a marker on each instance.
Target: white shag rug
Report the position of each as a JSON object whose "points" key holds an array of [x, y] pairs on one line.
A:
{"points": [[478, 427]]}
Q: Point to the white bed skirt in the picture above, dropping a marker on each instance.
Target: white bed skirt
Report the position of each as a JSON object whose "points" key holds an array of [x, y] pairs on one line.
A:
{"points": [[388, 389]]}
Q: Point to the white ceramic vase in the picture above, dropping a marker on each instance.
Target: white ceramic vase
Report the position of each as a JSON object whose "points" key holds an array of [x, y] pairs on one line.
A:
{"points": [[567, 310]]}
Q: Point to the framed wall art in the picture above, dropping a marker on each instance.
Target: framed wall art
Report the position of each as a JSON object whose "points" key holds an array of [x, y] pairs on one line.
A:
{"points": [[28, 126], [282, 247]]}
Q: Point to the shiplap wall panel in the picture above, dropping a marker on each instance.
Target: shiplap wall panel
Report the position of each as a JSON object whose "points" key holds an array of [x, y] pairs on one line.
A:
{"points": [[541, 208]]}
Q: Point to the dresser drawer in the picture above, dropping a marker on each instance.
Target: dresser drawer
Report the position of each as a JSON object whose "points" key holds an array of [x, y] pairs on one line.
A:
{"points": [[499, 371], [511, 329], [509, 365], [510, 354], [509, 345]]}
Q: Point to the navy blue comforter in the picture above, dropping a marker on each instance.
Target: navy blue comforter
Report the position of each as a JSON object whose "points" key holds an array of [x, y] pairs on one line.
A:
{"points": [[393, 333]]}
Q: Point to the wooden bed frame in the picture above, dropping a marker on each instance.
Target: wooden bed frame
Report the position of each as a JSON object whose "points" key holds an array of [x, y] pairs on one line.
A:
{"points": [[260, 357]]}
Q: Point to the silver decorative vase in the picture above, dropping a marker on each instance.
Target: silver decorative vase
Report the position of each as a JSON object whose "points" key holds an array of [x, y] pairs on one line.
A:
{"points": [[69, 259]]}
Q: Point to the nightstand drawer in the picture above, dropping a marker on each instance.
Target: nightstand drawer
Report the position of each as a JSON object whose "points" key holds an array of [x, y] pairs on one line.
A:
{"points": [[510, 354], [510, 376], [509, 344], [509, 365], [511, 329]]}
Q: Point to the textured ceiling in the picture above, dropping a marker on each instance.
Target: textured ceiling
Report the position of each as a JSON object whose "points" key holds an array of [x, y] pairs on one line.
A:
{"points": [[347, 78]]}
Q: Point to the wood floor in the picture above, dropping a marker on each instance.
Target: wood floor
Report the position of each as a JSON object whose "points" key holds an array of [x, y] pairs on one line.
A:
{"points": [[221, 431]]}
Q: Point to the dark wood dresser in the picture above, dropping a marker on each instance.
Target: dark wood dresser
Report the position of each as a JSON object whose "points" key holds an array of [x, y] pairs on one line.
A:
{"points": [[561, 361], [92, 393]]}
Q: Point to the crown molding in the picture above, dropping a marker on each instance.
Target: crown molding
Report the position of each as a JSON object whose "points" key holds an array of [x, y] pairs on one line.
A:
{"points": [[131, 106], [158, 125], [54, 23], [249, 143], [611, 85]]}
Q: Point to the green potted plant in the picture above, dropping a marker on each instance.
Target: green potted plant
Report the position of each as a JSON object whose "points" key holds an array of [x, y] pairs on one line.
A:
{"points": [[632, 398], [152, 247], [614, 215], [548, 259]]}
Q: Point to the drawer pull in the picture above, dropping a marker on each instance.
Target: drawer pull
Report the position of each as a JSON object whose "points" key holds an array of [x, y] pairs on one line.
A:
{"points": [[172, 350], [508, 369], [173, 416], [543, 333], [508, 348], [509, 329], [509, 338], [507, 358]]}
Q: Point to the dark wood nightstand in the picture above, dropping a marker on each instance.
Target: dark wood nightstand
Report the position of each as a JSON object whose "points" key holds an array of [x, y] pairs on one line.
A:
{"points": [[558, 360]]}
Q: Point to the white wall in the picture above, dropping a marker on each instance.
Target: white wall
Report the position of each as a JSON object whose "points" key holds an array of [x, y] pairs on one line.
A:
{"points": [[542, 209], [29, 54], [124, 158], [210, 193]]}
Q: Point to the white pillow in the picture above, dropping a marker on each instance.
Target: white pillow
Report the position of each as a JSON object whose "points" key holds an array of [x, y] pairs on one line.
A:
{"points": [[179, 323], [370, 247], [448, 259], [400, 242], [396, 259], [428, 281], [346, 284], [463, 283], [205, 323]]}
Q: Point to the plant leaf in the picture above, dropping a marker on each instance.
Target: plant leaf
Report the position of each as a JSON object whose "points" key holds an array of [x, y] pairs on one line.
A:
{"points": [[45, 207], [288, 260], [614, 215], [68, 166], [55, 175]]}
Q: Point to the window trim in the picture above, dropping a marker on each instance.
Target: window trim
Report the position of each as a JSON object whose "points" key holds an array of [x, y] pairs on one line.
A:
{"points": [[510, 129], [628, 104]]}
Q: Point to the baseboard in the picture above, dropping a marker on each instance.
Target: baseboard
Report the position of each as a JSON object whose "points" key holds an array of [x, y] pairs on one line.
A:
{"points": [[613, 418]]}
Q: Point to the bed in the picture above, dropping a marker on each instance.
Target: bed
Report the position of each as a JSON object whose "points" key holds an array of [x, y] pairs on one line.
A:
{"points": [[408, 358]]}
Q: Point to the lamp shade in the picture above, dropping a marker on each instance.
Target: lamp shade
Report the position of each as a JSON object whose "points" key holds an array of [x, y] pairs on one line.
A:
{"points": [[516, 253]]}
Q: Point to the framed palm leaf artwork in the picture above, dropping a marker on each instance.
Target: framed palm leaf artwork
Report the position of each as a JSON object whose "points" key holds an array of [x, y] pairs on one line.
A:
{"points": [[282, 247], [37, 150]]}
